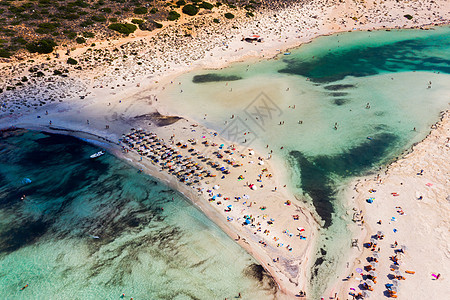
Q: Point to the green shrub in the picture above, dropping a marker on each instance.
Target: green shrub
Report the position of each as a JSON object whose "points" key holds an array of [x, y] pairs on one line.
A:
{"points": [[125, 28], [44, 28], [106, 10], [80, 40], [72, 61], [86, 23], [5, 53], [409, 17], [114, 20], [153, 10], [41, 46], [206, 5], [249, 14], [140, 10], [88, 34], [158, 25], [79, 3], [217, 21], [180, 3], [190, 10], [145, 26], [229, 16], [19, 40], [137, 21], [173, 15], [99, 18], [70, 17], [70, 34]]}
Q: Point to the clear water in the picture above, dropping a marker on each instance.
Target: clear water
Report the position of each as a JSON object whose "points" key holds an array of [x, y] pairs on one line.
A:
{"points": [[330, 80], [47, 240]]}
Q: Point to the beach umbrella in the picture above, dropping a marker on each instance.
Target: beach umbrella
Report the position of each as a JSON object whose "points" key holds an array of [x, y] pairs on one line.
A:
{"points": [[358, 270], [373, 241], [365, 294], [398, 273], [376, 254], [395, 282], [380, 233], [216, 187], [404, 248], [369, 282], [374, 264], [395, 267], [394, 289], [373, 273]]}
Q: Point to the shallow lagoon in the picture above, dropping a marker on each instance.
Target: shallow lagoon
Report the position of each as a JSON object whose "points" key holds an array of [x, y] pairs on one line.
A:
{"points": [[347, 104]]}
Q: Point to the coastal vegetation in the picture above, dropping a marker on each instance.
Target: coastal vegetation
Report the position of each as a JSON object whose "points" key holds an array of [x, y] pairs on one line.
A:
{"points": [[72, 61], [41, 46], [229, 16], [124, 28], [190, 9], [173, 15], [409, 17], [29, 25]]}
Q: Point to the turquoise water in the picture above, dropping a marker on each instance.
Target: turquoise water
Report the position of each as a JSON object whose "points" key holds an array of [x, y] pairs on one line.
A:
{"points": [[94, 229], [347, 104]]}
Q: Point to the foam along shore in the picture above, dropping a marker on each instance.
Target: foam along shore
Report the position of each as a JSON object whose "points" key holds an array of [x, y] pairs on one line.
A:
{"points": [[404, 219], [234, 186]]}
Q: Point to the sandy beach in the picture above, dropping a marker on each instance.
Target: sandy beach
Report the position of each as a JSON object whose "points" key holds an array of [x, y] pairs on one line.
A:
{"points": [[403, 216], [115, 86]]}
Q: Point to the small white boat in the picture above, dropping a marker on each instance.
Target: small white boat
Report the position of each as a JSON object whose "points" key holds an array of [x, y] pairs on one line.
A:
{"points": [[99, 153]]}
